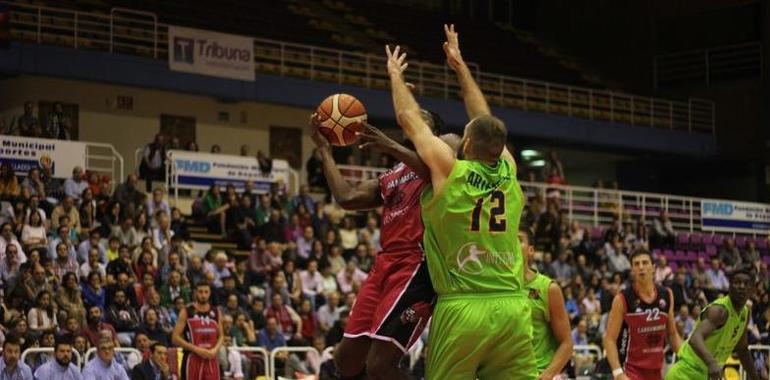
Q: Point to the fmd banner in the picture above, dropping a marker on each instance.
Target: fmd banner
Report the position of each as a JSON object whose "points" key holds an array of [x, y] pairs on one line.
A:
{"points": [[27, 153], [731, 216], [210, 53], [194, 170]]}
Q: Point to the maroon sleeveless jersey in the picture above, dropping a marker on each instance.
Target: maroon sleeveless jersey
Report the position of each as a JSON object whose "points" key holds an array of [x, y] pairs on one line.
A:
{"points": [[402, 228], [643, 336], [201, 328]]}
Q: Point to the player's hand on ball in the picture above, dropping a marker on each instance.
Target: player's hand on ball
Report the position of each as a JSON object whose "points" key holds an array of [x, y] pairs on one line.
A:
{"points": [[373, 137], [320, 141], [452, 48], [396, 60]]}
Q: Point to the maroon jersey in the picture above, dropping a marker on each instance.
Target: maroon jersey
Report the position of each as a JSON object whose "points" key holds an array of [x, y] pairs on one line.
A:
{"points": [[402, 228], [643, 335], [201, 328]]}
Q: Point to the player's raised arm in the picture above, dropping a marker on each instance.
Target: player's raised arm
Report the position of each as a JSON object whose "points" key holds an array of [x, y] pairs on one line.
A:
{"points": [[437, 155], [475, 103], [361, 196]]}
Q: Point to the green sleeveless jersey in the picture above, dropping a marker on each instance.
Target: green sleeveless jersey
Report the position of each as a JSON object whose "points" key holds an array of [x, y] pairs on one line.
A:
{"points": [[544, 343], [722, 341], [470, 237]]}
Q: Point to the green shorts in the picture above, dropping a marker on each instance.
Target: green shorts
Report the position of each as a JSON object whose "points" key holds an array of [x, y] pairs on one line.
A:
{"points": [[684, 371], [484, 336]]}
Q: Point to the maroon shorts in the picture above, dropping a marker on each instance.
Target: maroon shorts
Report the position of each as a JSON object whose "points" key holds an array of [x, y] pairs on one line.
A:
{"points": [[195, 367], [395, 302]]}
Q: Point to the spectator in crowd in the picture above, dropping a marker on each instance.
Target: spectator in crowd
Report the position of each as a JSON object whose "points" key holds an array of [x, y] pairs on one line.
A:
{"points": [[42, 317], [94, 294], [58, 126], [717, 277], [663, 234], [289, 321], [9, 184], [152, 327], [64, 263], [123, 317], [104, 365], [61, 367], [156, 367], [265, 163], [153, 163], [686, 320], [127, 195], [69, 299], [33, 234], [35, 182], [66, 208], [11, 367], [351, 278], [26, 122], [214, 208], [93, 241], [315, 173], [156, 203], [729, 255], [245, 151], [93, 265], [7, 238], [304, 198], [617, 259], [270, 337], [334, 335], [75, 185], [663, 273], [10, 267]]}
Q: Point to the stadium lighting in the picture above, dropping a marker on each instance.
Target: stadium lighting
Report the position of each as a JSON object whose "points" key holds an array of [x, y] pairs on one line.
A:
{"points": [[529, 154], [537, 163]]}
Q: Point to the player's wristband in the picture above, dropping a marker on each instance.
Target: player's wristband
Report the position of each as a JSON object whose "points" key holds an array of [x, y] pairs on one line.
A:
{"points": [[617, 372]]}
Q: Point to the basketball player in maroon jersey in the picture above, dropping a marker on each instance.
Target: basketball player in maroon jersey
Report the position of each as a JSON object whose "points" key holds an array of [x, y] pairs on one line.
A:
{"points": [[198, 332], [640, 318], [395, 302]]}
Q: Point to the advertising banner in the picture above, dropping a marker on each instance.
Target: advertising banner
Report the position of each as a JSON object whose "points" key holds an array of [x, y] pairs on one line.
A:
{"points": [[25, 153], [210, 53], [195, 170], [731, 216]]}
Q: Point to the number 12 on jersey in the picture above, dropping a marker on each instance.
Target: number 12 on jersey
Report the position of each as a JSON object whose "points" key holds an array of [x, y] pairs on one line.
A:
{"points": [[497, 221]]}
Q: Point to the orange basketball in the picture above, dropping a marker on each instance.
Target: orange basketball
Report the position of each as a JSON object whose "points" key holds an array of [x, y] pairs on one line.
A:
{"points": [[340, 116]]}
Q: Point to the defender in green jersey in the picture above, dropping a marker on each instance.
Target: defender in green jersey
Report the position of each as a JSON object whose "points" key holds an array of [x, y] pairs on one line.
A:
{"points": [[721, 328], [550, 322], [481, 324]]}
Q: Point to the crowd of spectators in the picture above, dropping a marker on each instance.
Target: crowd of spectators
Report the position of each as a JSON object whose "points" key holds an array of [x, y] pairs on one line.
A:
{"points": [[83, 258], [53, 125]]}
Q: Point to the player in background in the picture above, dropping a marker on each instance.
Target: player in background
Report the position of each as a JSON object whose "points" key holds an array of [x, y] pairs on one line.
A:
{"points": [[482, 320], [198, 332], [721, 328], [395, 302], [640, 319], [550, 323]]}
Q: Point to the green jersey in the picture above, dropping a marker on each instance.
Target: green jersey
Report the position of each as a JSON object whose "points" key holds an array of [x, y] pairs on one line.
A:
{"points": [[470, 230], [545, 343], [722, 341]]}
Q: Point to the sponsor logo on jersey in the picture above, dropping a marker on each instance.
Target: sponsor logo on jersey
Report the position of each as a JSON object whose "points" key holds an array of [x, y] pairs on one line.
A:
{"points": [[469, 258], [534, 294]]}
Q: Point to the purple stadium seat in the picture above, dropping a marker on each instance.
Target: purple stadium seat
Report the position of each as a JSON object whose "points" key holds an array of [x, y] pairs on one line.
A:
{"points": [[719, 240], [679, 255], [741, 242], [691, 256], [766, 260], [703, 255], [711, 250], [682, 240], [656, 252], [696, 240], [596, 233], [707, 239], [761, 244]]}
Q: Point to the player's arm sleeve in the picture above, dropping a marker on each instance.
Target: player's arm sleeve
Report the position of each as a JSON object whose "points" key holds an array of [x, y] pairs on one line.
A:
{"points": [[361, 196], [673, 333], [714, 317], [614, 323], [560, 328]]}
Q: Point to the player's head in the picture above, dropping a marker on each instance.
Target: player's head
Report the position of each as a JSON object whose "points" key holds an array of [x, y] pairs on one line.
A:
{"points": [[202, 292], [641, 266], [743, 280], [484, 139], [434, 121], [527, 239]]}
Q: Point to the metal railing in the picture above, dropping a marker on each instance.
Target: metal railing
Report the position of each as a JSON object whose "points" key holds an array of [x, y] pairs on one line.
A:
{"points": [[103, 158], [122, 350], [762, 348], [139, 33], [707, 65], [590, 205], [287, 349], [50, 350], [588, 349], [259, 350]]}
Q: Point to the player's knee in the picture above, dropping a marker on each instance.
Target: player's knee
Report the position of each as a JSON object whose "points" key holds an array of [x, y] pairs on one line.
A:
{"points": [[377, 365], [347, 368]]}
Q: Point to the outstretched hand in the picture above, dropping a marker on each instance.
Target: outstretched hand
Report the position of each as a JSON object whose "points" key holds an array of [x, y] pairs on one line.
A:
{"points": [[452, 48], [320, 141], [373, 137], [396, 60]]}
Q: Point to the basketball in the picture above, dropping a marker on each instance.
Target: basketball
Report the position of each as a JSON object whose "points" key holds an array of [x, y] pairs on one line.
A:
{"points": [[339, 117]]}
